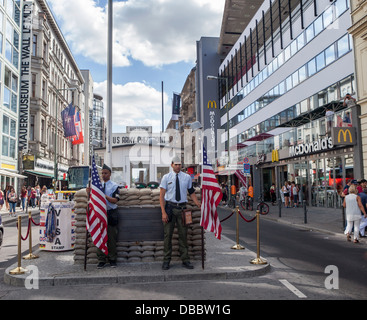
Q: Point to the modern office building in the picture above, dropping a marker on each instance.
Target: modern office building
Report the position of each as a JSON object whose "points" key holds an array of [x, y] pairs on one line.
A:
{"points": [[10, 47], [292, 65], [98, 121], [358, 30]]}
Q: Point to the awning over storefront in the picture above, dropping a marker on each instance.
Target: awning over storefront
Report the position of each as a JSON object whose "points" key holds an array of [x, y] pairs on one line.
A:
{"points": [[11, 174], [38, 173], [226, 172], [313, 115]]}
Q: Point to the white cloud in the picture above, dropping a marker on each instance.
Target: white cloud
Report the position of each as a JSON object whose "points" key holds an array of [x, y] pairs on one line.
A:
{"points": [[154, 32], [133, 104]]}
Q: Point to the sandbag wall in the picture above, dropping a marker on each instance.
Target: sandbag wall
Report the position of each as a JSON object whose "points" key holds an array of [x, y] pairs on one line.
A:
{"points": [[137, 251]]}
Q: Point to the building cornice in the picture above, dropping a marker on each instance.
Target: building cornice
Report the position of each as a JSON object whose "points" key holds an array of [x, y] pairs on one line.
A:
{"points": [[55, 28]]}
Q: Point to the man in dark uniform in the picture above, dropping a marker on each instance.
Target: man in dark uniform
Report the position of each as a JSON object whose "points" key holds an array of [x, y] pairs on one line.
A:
{"points": [[173, 198]]}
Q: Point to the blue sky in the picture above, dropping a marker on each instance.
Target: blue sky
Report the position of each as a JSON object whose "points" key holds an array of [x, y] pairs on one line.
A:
{"points": [[154, 41]]}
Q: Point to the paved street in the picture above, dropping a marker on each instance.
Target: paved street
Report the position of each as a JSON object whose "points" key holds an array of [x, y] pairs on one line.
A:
{"points": [[298, 255]]}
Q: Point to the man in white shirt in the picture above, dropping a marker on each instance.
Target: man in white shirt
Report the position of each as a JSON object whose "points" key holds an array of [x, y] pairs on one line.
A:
{"points": [[173, 197], [329, 119]]}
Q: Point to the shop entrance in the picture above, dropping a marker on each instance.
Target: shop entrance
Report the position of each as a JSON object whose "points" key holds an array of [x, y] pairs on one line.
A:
{"points": [[321, 180]]}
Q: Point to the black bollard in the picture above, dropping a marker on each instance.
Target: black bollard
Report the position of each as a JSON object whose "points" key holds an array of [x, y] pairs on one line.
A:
{"points": [[305, 211], [280, 207]]}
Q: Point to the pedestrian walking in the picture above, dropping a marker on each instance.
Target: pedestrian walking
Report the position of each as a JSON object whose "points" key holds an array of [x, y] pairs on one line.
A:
{"points": [[295, 194], [273, 194], [173, 197], [224, 193], [1, 200], [363, 224], [286, 194], [33, 197], [353, 207], [23, 197], [38, 195], [12, 199], [6, 193]]}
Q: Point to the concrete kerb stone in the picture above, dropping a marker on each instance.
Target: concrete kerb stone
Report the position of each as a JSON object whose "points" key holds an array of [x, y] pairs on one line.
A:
{"points": [[58, 269]]}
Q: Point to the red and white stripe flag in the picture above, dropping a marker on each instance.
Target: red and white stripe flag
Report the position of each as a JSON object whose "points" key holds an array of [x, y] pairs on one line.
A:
{"points": [[210, 199], [97, 212]]}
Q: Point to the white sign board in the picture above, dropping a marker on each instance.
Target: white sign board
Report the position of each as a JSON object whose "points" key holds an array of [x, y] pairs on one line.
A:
{"points": [[64, 222]]}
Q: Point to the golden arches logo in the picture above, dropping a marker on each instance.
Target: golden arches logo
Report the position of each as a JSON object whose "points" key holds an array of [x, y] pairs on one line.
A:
{"points": [[275, 156], [212, 104], [345, 132]]}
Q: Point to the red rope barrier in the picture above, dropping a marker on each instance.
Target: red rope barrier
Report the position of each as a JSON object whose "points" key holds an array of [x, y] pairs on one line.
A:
{"points": [[227, 217], [245, 218], [29, 225], [36, 224]]}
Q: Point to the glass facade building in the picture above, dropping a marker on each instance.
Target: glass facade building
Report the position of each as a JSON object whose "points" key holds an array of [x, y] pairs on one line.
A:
{"points": [[292, 63], [10, 19]]}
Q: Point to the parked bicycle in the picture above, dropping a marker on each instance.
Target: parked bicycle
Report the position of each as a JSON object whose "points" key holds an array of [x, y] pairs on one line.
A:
{"points": [[263, 207]]}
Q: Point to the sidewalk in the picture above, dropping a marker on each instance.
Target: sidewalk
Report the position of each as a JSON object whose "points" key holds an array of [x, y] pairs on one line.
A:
{"points": [[222, 262], [58, 268], [329, 220], [6, 218]]}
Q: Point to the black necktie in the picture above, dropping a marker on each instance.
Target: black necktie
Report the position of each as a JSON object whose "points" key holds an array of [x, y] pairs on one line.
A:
{"points": [[178, 193]]}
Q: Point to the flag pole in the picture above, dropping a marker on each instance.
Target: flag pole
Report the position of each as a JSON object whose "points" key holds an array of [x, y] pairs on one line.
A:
{"points": [[201, 213], [86, 229]]}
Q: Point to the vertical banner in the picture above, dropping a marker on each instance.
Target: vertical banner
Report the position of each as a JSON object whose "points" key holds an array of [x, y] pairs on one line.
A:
{"points": [[25, 76], [176, 106]]}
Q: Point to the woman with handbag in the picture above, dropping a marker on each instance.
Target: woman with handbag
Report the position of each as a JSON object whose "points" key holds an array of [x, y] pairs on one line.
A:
{"points": [[353, 208], [12, 199]]}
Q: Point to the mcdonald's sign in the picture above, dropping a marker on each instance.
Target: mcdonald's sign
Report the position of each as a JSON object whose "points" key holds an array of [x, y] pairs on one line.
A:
{"points": [[344, 136], [212, 104], [275, 156]]}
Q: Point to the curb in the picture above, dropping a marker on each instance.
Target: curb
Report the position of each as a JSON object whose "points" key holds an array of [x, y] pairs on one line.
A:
{"points": [[116, 278]]}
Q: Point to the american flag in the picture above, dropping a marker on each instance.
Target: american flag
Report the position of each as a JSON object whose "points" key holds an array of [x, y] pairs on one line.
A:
{"points": [[97, 212], [210, 199], [78, 138]]}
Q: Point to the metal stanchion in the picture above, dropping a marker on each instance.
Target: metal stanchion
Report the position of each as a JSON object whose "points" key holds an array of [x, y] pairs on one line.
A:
{"points": [[19, 269], [237, 246], [258, 260], [30, 256]]}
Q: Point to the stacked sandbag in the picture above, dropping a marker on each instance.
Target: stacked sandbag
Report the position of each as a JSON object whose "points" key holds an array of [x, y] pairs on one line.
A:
{"points": [[138, 251], [138, 197], [80, 210]]}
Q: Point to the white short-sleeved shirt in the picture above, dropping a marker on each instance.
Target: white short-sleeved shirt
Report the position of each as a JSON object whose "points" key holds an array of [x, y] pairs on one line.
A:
{"points": [[110, 189], [169, 184]]}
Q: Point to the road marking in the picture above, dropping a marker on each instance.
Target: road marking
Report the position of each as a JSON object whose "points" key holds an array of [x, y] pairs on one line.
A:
{"points": [[292, 288]]}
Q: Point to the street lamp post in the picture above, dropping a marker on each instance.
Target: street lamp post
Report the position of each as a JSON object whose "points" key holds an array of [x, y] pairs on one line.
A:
{"points": [[56, 129], [227, 106]]}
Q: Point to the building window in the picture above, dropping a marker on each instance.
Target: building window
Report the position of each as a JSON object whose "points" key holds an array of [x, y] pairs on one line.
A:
{"points": [[9, 135], [12, 44], [34, 46], [330, 54], [31, 132], [343, 46], [10, 91], [34, 77]]}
